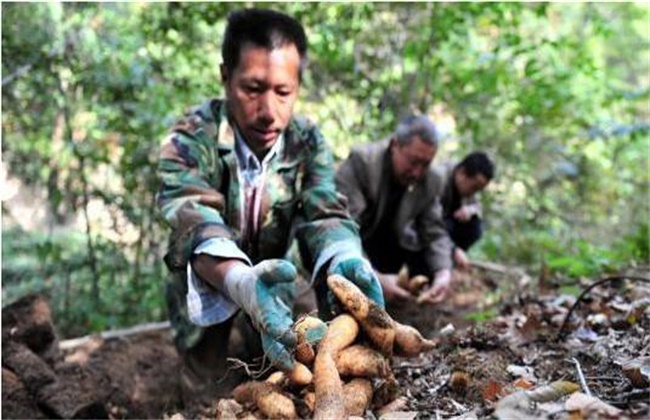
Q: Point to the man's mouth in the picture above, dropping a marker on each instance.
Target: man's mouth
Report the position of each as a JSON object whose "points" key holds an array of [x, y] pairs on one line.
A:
{"points": [[266, 134]]}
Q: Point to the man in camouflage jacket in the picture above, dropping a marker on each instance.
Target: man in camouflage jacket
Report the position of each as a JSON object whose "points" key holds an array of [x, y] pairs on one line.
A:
{"points": [[242, 177]]}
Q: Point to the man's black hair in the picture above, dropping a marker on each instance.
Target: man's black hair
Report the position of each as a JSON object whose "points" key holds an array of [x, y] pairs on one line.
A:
{"points": [[478, 163], [264, 28]]}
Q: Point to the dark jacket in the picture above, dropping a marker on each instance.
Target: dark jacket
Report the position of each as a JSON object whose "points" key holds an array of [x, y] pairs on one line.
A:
{"points": [[419, 223], [447, 198]]}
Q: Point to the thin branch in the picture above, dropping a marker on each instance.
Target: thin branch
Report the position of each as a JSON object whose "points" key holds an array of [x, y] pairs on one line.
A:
{"points": [[497, 268], [112, 334], [411, 366], [583, 382], [67, 128], [560, 333], [92, 257]]}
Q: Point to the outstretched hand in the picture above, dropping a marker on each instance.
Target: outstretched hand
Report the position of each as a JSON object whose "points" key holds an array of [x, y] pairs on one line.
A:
{"points": [[461, 259], [439, 290], [359, 272], [266, 292], [391, 289]]}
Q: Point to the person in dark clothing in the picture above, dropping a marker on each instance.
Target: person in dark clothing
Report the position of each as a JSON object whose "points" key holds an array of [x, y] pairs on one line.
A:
{"points": [[461, 208], [394, 195]]}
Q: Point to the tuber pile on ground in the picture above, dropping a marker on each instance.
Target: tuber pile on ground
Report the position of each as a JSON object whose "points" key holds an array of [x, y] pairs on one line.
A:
{"points": [[343, 374]]}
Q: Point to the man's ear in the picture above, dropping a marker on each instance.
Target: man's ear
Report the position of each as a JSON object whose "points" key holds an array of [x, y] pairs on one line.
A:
{"points": [[393, 143], [224, 74]]}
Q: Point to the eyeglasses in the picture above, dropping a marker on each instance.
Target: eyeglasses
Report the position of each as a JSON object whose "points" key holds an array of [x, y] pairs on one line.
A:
{"points": [[414, 160]]}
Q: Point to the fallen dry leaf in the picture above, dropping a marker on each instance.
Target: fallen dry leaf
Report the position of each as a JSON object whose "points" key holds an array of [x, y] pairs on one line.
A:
{"points": [[589, 405], [552, 391], [491, 390], [513, 406], [398, 404], [522, 383], [524, 372], [471, 415], [399, 415], [637, 371]]}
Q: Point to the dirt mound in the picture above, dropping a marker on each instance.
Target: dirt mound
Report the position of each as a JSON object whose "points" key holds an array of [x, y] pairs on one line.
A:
{"points": [[129, 377]]}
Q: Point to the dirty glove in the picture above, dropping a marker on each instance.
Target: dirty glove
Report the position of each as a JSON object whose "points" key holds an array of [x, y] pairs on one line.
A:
{"points": [[265, 292], [359, 272]]}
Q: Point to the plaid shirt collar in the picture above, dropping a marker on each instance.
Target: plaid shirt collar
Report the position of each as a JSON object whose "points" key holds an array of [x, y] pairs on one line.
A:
{"points": [[249, 164]]}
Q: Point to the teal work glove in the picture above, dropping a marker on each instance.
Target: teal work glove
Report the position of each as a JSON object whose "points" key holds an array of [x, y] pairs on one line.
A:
{"points": [[359, 272], [266, 292]]}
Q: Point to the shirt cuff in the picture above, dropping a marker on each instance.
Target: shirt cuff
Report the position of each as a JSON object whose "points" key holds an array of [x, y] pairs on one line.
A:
{"points": [[222, 248], [205, 305], [340, 251]]}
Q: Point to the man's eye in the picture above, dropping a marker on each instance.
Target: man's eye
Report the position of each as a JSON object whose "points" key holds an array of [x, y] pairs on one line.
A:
{"points": [[284, 92], [252, 89]]}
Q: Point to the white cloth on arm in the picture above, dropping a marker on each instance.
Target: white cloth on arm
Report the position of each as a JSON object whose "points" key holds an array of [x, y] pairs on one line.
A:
{"points": [[205, 305]]}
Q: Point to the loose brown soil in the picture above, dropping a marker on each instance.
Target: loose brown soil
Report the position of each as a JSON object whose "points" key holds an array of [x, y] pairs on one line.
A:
{"points": [[136, 376]]}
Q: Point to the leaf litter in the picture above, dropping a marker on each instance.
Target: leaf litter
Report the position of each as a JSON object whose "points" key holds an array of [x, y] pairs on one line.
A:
{"points": [[507, 347], [518, 365]]}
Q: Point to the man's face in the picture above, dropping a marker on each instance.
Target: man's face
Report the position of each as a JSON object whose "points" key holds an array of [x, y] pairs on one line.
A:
{"points": [[468, 186], [261, 92], [410, 161]]}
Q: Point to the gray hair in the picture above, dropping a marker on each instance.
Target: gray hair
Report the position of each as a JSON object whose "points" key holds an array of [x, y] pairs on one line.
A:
{"points": [[417, 125]]}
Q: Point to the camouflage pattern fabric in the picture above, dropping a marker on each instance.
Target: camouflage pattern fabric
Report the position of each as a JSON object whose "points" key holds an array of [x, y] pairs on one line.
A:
{"points": [[200, 199]]}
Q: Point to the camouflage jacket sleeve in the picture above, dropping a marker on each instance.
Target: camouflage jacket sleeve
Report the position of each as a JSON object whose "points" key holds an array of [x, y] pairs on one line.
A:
{"points": [[189, 198], [328, 230]]}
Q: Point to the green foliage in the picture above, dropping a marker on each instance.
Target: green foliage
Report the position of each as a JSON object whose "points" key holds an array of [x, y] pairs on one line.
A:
{"points": [[482, 316], [570, 289], [571, 256], [557, 92], [587, 260], [57, 266]]}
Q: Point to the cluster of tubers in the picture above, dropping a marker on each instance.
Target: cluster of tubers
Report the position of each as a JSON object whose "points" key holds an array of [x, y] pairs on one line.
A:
{"points": [[414, 285], [346, 371]]}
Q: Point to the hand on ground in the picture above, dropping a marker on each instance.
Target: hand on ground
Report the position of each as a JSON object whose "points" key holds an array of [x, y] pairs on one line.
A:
{"points": [[391, 290]]}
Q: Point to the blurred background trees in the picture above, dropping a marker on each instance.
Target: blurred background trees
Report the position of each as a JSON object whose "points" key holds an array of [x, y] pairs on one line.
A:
{"points": [[558, 93]]}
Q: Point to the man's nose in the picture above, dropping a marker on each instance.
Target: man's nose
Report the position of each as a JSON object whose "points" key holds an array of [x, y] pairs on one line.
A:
{"points": [[265, 108]]}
